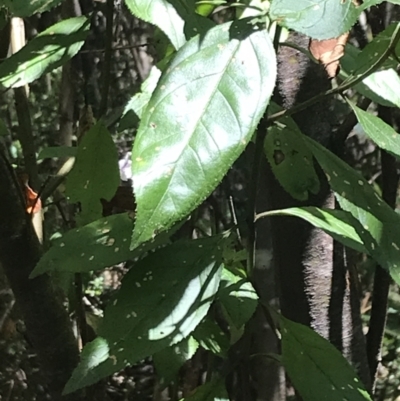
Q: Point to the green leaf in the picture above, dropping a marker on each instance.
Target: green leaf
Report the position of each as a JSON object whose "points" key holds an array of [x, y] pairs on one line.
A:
{"points": [[176, 18], [210, 336], [161, 301], [337, 223], [238, 297], [380, 225], [316, 368], [135, 107], [98, 245], [212, 391], [382, 87], [200, 118], [93, 355], [380, 132], [169, 361], [24, 8], [57, 152], [319, 19], [95, 174], [47, 51], [291, 161]]}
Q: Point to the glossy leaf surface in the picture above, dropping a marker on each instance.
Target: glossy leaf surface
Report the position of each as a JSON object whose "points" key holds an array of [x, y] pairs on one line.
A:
{"points": [[337, 223], [200, 118], [161, 301], [316, 368], [47, 51], [98, 245]]}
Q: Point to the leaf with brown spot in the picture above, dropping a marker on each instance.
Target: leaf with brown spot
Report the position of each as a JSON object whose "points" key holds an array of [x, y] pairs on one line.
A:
{"points": [[329, 52]]}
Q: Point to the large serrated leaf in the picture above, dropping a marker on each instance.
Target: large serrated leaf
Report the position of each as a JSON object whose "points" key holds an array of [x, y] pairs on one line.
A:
{"points": [[380, 225], [316, 368], [47, 51], [176, 18], [25, 8], [380, 132], [95, 174], [200, 118], [161, 301], [319, 19], [98, 245], [337, 223]]}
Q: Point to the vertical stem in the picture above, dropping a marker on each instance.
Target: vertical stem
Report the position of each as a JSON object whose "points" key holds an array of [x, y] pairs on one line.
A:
{"points": [[106, 73]]}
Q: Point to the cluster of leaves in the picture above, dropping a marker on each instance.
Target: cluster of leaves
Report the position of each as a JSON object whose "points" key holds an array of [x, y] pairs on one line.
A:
{"points": [[198, 111]]}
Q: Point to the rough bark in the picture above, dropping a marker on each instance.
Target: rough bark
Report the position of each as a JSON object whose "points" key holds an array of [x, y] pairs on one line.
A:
{"points": [[315, 288]]}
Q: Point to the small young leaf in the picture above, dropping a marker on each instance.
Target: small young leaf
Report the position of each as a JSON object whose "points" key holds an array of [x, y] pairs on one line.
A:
{"points": [[161, 301], [321, 19], [24, 8], [291, 161], [238, 297], [98, 245], [337, 223], [380, 132], [200, 118], [47, 51], [380, 225], [316, 368], [168, 361], [95, 174]]}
